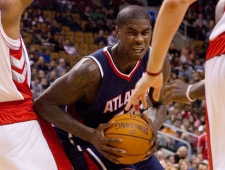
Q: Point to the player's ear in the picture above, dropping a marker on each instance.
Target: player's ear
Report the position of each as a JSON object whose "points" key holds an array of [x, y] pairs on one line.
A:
{"points": [[117, 32]]}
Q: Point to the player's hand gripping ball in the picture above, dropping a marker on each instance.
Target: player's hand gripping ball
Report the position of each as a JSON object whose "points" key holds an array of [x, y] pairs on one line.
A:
{"points": [[136, 134]]}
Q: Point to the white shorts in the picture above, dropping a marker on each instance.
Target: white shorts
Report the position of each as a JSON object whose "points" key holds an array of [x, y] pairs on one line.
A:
{"points": [[215, 101], [24, 148]]}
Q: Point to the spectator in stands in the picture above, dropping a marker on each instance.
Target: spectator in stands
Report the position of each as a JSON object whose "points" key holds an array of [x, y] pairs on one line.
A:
{"points": [[187, 110], [111, 15], [101, 24], [171, 168], [201, 20], [202, 166], [36, 87], [97, 14], [183, 164], [55, 27], [37, 36], [52, 65], [72, 23], [112, 38], [173, 51], [39, 15], [33, 71], [177, 122], [189, 21], [160, 155], [59, 45], [41, 65], [180, 154], [202, 147], [194, 162], [198, 66], [186, 138], [170, 158], [69, 48], [100, 39], [200, 31], [168, 130], [44, 83], [90, 26], [59, 17], [87, 13], [175, 62], [48, 39], [51, 77], [187, 53], [46, 54], [61, 68], [186, 125], [41, 74]]}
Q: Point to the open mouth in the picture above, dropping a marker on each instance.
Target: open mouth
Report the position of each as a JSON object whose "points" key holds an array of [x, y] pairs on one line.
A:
{"points": [[138, 50]]}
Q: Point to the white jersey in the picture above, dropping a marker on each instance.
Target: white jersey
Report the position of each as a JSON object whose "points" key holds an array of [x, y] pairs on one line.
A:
{"points": [[26, 142], [15, 69], [215, 95]]}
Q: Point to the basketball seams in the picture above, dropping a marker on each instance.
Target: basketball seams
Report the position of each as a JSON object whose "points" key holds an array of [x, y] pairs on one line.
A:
{"points": [[144, 122], [126, 135]]}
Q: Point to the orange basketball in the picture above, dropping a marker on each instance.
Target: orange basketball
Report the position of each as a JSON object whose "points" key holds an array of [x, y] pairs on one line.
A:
{"points": [[136, 135]]}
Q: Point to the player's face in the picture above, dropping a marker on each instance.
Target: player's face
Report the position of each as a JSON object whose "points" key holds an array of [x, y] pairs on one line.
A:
{"points": [[135, 38]]}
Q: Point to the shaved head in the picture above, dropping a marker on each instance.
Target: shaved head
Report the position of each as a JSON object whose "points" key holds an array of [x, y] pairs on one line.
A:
{"points": [[132, 12]]}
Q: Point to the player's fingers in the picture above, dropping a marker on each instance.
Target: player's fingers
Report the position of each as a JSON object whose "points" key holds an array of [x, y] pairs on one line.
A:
{"points": [[156, 94], [133, 101], [144, 101], [128, 106], [167, 89], [168, 100], [104, 126], [109, 141]]}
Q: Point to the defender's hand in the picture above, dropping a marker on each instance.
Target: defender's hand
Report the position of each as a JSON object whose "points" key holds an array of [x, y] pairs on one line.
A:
{"points": [[141, 89]]}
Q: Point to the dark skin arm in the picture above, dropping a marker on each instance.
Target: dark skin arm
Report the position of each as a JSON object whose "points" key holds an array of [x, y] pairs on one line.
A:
{"points": [[81, 83], [176, 91]]}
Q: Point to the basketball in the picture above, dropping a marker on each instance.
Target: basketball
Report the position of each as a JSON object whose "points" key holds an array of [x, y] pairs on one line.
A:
{"points": [[136, 135]]}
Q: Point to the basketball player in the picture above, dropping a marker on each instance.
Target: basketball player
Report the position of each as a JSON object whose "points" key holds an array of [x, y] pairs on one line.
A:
{"points": [[214, 90], [23, 144], [98, 88]]}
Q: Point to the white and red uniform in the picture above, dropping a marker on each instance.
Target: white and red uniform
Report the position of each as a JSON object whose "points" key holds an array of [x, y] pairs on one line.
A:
{"points": [[26, 141], [215, 96]]}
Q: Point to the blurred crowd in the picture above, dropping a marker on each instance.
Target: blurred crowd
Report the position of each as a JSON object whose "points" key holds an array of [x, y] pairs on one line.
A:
{"points": [[54, 33]]}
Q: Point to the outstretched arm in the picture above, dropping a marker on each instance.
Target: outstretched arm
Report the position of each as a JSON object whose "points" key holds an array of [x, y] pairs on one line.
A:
{"points": [[157, 110], [161, 109], [177, 92], [169, 18]]}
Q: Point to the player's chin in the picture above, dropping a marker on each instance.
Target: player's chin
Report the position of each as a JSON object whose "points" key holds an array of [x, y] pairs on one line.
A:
{"points": [[139, 56], [139, 53]]}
